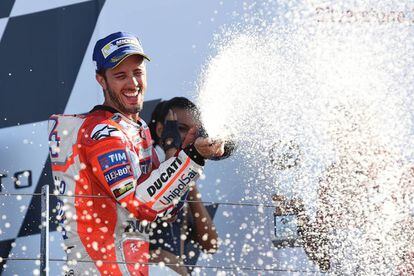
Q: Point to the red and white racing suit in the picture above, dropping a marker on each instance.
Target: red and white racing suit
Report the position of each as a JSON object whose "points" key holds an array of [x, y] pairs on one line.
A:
{"points": [[111, 187]]}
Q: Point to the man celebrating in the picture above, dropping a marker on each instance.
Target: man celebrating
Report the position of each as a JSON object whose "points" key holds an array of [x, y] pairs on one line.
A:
{"points": [[107, 173]]}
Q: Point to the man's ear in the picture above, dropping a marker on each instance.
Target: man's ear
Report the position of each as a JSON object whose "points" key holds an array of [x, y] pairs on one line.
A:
{"points": [[101, 80], [158, 129]]}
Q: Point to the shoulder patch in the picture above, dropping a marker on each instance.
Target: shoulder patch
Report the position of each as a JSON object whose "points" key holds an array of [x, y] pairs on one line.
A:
{"points": [[102, 131], [113, 158], [123, 189], [117, 174]]}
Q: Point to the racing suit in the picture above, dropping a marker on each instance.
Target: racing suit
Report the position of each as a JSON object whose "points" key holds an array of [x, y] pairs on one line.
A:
{"points": [[111, 186]]}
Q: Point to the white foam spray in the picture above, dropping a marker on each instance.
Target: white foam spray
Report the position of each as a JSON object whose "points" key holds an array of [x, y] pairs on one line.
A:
{"points": [[334, 91]]}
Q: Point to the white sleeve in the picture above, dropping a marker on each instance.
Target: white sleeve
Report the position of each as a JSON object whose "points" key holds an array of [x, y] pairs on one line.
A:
{"points": [[162, 190]]}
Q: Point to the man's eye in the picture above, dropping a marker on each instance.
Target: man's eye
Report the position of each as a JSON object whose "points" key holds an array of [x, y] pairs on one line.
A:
{"points": [[120, 77]]}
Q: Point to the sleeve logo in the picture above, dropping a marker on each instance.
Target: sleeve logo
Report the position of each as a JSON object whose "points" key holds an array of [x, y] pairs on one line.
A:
{"points": [[113, 158], [118, 192], [180, 189], [102, 131], [117, 174]]}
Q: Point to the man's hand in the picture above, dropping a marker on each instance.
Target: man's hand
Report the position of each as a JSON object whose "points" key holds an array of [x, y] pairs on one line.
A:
{"points": [[190, 137], [209, 148]]}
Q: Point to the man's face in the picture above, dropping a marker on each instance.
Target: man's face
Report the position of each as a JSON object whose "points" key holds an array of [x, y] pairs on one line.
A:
{"points": [[125, 85]]}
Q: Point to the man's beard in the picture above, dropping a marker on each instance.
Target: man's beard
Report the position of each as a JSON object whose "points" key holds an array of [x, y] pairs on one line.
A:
{"points": [[119, 106]]}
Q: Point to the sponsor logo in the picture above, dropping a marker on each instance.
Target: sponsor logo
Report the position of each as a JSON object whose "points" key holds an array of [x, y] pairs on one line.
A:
{"points": [[70, 273], [116, 59], [60, 185], [164, 177], [116, 118], [145, 165], [60, 188], [117, 174], [179, 190], [117, 43], [54, 138], [102, 131], [136, 226], [118, 192], [112, 158], [108, 49]]}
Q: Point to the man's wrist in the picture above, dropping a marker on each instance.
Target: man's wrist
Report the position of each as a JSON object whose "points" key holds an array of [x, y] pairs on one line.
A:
{"points": [[193, 153]]}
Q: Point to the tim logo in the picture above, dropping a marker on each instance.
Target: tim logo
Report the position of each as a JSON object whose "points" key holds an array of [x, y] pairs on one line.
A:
{"points": [[113, 158]]}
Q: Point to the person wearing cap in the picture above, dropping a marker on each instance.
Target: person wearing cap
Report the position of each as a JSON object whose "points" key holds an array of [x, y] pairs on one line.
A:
{"points": [[108, 178]]}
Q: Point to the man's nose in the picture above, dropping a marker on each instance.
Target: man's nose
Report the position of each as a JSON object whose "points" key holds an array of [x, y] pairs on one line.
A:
{"points": [[133, 82]]}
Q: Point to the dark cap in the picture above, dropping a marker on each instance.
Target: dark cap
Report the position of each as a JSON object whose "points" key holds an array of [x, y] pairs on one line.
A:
{"points": [[113, 49]]}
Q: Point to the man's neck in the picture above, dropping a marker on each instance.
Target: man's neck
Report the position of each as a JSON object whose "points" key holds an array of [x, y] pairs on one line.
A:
{"points": [[132, 116]]}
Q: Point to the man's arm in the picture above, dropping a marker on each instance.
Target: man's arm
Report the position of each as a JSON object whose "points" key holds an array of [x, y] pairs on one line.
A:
{"points": [[146, 196]]}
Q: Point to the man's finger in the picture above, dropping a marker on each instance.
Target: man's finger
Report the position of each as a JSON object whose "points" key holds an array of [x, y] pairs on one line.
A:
{"points": [[190, 137]]}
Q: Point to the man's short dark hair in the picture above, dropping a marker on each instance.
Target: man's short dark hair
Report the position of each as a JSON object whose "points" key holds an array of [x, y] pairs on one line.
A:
{"points": [[101, 72]]}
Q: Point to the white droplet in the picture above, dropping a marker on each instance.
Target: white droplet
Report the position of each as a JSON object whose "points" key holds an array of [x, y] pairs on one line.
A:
{"points": [[104, 229], [95, 246]]}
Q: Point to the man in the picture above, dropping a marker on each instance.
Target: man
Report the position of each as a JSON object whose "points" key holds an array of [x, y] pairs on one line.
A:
{"points": [[106, 170]]}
